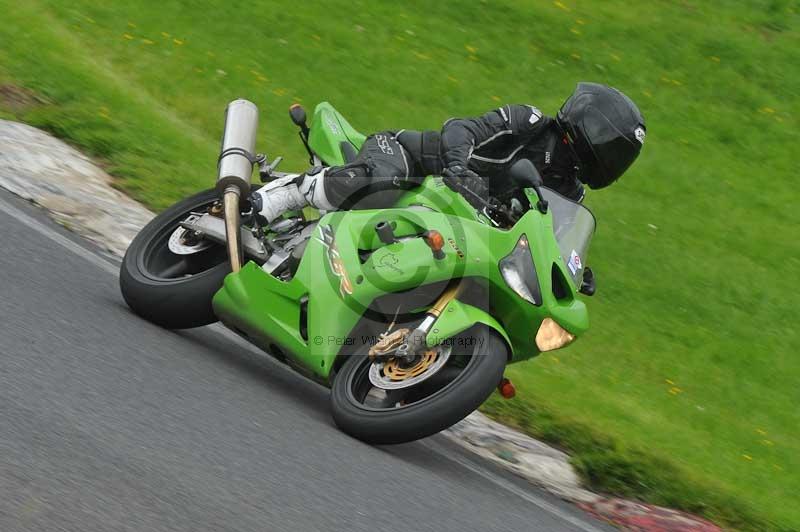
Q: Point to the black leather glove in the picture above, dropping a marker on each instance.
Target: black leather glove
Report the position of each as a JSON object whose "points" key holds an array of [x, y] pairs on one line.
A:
{"points": [[476, 193], [474, 189], [456, 173]]}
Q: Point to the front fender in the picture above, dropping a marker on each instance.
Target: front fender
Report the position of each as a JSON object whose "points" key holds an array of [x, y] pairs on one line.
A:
{"points": [[457, 317]]}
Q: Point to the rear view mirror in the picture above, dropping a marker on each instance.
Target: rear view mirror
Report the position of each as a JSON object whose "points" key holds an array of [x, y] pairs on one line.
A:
{"points": [[525, 175]]}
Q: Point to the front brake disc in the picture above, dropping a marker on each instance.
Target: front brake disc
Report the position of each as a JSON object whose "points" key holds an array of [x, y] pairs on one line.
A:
{"points": [[390, 375]]}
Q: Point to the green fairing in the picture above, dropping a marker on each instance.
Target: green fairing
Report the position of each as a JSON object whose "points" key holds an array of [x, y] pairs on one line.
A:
{"points": [[458, 317], [268, 310]]}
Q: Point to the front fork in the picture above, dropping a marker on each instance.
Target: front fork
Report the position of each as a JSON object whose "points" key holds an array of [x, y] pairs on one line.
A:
{"points": [[416, 341]]}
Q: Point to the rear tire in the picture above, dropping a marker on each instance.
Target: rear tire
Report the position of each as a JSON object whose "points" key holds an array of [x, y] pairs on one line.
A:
{"points": [[427, 415], [174, 302]]}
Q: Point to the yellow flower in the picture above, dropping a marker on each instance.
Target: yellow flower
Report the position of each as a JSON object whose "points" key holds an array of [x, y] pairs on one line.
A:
{"points": [[762, 432], [575, 56], [714, 58], [768, 443], [675, 390], [473, 58], [580, 21], [147, 41], [559, 5], [127, 36], [767, 110], [576, 31], [747, 457], [165, 34], [669, 381], [278, 92], [648, 94], [496, 98], [470, 49], [615, 57], [451, 78], [177, 41], [131, 25], [316, 37]]}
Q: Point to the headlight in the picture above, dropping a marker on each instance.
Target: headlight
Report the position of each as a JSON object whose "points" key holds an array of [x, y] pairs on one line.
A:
{"points": [[520, 274], [552, 336]]}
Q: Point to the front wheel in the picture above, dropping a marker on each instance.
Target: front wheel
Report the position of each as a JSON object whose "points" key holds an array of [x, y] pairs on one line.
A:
{"points": [[388, 402]]}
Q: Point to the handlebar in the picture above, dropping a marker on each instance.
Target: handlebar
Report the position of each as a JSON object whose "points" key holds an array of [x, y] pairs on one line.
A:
{"points": [[491, 207]]}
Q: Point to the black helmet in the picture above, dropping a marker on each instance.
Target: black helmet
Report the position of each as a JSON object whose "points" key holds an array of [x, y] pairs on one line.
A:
{"points": [[605, 129]]}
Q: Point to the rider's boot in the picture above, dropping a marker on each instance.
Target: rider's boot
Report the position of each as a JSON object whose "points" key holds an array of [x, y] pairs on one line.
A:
{"points": [[291, 193]]}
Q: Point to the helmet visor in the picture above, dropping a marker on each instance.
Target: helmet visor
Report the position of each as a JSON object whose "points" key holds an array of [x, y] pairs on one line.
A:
{"points": [[613, 152]]}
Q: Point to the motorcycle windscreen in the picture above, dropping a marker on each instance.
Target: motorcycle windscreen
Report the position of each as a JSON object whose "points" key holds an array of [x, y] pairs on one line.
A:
{"points": [[573, 226]]}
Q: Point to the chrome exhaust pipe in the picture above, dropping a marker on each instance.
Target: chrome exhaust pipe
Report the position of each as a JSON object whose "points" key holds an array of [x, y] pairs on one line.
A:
{"points": [[236, 161], [230, 203]]}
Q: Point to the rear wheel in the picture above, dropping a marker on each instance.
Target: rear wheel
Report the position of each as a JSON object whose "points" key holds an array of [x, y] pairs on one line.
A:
{"points": [[167, 276], [389, 402]]}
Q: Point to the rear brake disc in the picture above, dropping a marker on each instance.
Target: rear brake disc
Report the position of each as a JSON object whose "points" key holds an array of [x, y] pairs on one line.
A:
{"points": [[181, 244]]}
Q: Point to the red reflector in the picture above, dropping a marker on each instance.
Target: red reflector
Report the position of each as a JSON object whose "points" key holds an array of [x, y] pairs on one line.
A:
{"points": [[506, 389]]}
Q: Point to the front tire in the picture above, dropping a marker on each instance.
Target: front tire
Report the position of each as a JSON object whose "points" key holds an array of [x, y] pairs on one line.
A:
{"points": [[426, 408], [173, 291]]}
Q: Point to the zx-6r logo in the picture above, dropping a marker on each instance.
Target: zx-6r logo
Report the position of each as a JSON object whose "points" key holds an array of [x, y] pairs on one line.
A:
{"points": [[335, 260]]}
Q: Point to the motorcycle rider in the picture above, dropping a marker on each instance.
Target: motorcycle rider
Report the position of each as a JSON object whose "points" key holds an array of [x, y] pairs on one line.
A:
{"points": [[594, 138]]}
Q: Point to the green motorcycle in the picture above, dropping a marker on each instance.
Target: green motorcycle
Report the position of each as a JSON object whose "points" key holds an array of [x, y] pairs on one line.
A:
{"points": [[409, 314]]}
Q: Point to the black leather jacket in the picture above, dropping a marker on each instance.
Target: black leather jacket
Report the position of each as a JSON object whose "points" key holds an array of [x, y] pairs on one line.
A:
{"points": [[490, 144]]}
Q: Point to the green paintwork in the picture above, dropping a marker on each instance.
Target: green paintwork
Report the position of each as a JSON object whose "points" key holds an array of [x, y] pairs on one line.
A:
{"points": [[328, 129], [458, 317], [268, 310]]}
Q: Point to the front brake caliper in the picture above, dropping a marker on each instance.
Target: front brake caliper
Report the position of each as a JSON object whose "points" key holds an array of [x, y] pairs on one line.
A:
{"points": [[388, 344]]}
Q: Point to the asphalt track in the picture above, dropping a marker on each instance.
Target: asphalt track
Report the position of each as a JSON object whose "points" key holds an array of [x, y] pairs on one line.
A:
{"points": [[110, 423]]}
